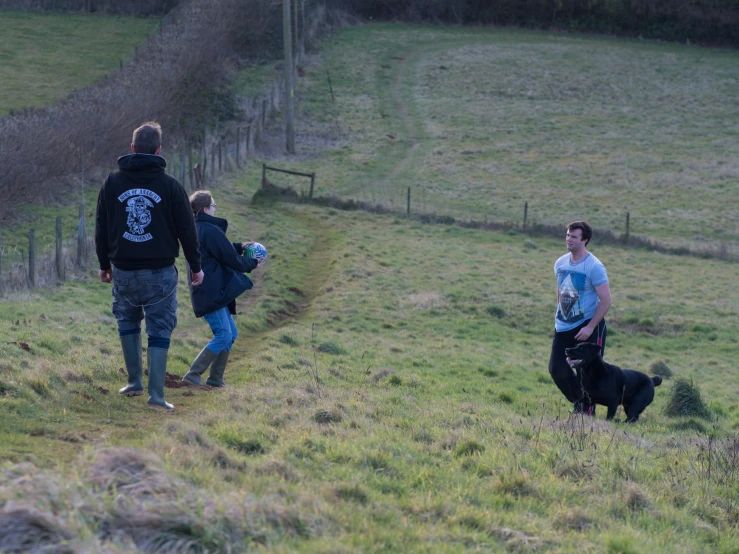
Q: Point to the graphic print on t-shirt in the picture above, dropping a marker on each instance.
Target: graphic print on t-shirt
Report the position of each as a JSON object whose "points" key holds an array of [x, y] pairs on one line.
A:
{"points": [[138, 202], [571, 286]]}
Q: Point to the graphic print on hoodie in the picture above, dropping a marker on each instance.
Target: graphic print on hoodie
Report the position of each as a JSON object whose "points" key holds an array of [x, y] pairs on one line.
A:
{"points": [[138, 204]]}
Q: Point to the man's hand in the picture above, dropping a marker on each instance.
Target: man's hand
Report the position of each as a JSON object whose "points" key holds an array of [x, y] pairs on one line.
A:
{"points": [[106, 275], [197, 278], [584, 333], [245, 244]]}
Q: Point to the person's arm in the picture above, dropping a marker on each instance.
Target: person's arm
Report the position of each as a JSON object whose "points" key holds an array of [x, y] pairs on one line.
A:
{"points": [[101, 238], [225, 252], [185, 226], [604, 296]]}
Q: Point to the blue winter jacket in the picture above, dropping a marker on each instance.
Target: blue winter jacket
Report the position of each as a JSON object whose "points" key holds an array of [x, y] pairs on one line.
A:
{"points": [[224, 267]]}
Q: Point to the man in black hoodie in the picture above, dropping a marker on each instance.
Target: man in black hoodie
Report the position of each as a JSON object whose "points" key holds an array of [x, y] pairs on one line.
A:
{"points": [[142, 213]]}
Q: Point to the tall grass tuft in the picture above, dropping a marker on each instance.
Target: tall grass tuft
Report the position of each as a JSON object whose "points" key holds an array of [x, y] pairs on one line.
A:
{"points": [[686, 400], [662, 369], [330, 347], [24, 529], [125, 496]]}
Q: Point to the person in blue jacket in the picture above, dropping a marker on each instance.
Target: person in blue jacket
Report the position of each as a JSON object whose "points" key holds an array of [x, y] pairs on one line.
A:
{"points": [[224, 266]]}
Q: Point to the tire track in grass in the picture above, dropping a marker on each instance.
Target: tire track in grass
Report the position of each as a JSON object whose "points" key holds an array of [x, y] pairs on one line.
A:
{"points": [[416, 137]]}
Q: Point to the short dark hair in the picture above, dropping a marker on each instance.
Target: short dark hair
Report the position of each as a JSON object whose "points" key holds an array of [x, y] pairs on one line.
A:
{"points": [[147, 138], [587, 230], [200, 200]]}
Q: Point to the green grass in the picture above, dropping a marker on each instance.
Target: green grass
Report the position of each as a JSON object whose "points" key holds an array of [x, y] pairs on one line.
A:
{"points": [[479, 122], [435, 425], [44, 57], [389, 389]]}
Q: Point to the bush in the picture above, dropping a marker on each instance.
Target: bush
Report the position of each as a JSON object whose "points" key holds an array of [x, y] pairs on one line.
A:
{"points": [[496, 311], [177, 84], [686, 400], [330, 347], [660, 368]]}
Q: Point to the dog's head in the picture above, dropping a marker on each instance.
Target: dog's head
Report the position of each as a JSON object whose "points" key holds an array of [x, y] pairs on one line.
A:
{"points": [[582, 354]]}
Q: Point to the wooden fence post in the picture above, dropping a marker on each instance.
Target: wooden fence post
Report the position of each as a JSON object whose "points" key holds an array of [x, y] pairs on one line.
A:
{"points": [[264, 174], [333, 100], [408, 203], [32, 257], [248, 136], [312, 182], [626, 234], [525, 214], [59, 249], [81, 235]]}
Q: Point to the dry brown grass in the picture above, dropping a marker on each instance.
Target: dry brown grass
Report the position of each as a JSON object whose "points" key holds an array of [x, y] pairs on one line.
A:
{"points": [[125, 499]]}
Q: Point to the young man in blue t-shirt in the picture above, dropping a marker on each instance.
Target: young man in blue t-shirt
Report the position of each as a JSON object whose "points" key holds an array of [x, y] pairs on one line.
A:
{"points": [[583, 299]]}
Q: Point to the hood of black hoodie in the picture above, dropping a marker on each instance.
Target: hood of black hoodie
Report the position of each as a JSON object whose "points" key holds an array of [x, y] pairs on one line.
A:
{"points": [[142, 166]]}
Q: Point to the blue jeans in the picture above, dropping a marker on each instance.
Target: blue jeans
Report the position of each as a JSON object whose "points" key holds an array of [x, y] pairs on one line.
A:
{"points": [[224, 330], [150, 294]]}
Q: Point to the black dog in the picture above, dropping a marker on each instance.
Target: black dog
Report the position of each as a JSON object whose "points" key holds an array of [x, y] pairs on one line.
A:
{"points": [[609, 385]]}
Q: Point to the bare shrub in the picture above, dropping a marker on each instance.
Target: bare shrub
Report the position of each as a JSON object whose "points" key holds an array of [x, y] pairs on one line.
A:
{"points": [[170, 81]]}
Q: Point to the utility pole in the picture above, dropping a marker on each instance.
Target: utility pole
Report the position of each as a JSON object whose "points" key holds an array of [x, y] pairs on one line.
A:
{"points": [[287, 46]]}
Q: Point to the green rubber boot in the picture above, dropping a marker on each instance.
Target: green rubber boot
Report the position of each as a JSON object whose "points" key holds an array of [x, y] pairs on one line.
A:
{"points": [[157, 359], [217, 369], [132, 357], [199, 366]]}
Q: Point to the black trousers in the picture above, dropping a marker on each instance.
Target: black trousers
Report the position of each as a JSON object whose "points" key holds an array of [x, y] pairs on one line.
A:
{"points": [[563, 375]]}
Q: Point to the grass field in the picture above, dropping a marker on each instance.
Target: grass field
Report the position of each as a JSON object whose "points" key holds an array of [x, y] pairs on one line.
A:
{"points": [[478, 123], [389, 391], [399, 399], [44, 57]]}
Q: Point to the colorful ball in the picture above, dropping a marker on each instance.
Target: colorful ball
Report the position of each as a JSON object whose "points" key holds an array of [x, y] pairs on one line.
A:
{"points": [[256, 251]]}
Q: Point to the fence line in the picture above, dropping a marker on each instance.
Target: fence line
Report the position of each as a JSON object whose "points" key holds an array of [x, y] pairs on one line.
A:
{"points": [[721, 251]]}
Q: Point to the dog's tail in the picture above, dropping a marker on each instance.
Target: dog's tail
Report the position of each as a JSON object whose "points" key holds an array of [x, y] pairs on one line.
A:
{"points": [[657, 380]]}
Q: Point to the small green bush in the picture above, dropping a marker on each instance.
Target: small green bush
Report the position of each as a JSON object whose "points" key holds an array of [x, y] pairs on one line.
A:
{"points": [[660, 368], [686, 400], [331, 347], [496, 311]]}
